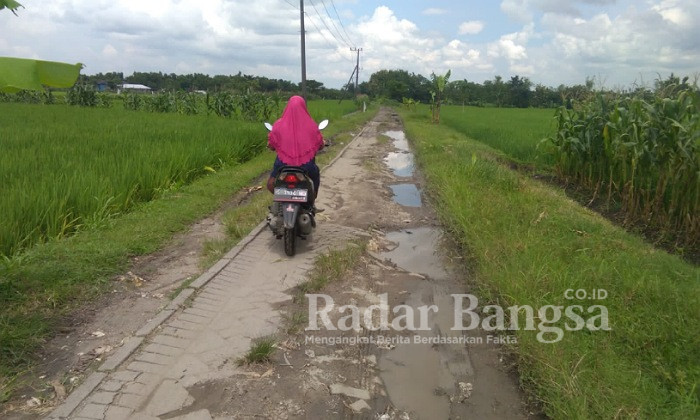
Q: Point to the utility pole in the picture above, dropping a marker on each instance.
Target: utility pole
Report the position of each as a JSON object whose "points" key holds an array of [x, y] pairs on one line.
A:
{"points": [[303, 50], [357, 68]]}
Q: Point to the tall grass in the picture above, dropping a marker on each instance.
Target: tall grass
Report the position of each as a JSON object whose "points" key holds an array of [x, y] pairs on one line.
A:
{"points": [[527, 243], [64, 167], [643, 155]]}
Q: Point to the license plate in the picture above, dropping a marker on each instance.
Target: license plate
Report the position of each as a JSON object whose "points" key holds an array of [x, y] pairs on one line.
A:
{"points": [[291, 194]]}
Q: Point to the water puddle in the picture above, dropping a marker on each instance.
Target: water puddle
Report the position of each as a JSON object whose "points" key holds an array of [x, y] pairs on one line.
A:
{"points": [[417, 252], [399, 139], [421, 377], [407, 195], [401, 162]]}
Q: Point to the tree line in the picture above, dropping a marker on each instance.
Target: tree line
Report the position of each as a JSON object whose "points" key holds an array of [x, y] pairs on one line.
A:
{"points": [[517, 92], [159, 81], [397, 85]]}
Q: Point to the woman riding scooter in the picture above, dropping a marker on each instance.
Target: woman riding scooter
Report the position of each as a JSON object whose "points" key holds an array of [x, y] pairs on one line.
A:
{"points": [[296, 138]]}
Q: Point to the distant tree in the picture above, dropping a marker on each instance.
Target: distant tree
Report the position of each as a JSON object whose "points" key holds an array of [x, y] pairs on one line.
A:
{"points": [[519, 91], [397, 84], [461, 92], [314, 86], [545, 97]]}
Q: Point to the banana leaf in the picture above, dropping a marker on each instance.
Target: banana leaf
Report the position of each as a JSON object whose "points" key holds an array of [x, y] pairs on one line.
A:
{"points": [[10, 4], [24, 74]]}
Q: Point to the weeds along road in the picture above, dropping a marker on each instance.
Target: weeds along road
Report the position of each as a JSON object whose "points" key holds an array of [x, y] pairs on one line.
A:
{"points": [[183, 363]]}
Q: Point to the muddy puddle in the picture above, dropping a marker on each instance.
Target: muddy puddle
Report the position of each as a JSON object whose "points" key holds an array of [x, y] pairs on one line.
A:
{"points": [[434, 371], [400, 162], [438, 372], [417, 251], [406, 195], [423, 378]]}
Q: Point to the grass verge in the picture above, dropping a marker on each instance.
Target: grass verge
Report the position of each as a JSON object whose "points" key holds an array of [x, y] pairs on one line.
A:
{"points": [[331, 266], [528, 243], [261, 351]]}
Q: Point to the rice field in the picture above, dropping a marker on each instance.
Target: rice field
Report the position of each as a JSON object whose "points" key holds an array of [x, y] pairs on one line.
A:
{"points": [[63, 169], [633, 157], [516, 132]]}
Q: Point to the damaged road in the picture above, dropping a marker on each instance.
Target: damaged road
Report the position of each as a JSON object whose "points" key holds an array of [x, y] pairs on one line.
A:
{"points": [[185, 366]]}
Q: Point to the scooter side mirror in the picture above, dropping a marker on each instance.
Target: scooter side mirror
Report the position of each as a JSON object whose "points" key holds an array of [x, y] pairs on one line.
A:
{"points": [[268, 126], [323, 124]]}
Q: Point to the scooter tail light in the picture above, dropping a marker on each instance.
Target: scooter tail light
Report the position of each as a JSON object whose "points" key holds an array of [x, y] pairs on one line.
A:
{"points": [[291, 179]]}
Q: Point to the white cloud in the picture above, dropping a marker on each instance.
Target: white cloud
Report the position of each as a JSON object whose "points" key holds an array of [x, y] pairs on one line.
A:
{"points": [[560, 41], [387, 28], [672, 11], [471, 27], [109, 51], [393, 43], [518, 10], [624, 47], [434, 11], [524, 10], [512, 46]]}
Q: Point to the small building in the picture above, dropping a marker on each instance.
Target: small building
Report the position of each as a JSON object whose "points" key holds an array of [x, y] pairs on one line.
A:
{"points": [[102, 86], [133, 87]]}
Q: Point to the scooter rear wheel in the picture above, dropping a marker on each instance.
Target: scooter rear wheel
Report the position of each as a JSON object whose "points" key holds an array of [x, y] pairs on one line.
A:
{"points": [[290, 237]]}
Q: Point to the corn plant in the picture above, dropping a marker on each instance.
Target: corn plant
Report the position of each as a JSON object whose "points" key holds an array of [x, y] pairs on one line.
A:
{"points": [[641, 155], [82, 95], [162, 102], [187, 103]]}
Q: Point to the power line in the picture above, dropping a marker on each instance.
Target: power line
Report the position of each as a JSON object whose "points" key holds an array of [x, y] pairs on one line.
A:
{"points": [[326, 25], [329, 42], [287, 1], [333, 22], [341, 22]]}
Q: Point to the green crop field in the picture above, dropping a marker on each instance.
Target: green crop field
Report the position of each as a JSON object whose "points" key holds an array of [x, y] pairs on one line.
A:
{"points": [[514, 131], [635, 156], [65, 168], [85, 189], [527, 243]]}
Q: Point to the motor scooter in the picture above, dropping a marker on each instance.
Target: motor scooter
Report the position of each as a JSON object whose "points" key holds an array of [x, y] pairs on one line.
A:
{"points": [[292, 213]]}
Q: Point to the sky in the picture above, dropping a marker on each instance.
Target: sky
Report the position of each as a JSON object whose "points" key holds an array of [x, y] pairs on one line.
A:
{"points": [[619, 43]]}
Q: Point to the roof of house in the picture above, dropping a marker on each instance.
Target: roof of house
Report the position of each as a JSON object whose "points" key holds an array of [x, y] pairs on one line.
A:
{"points": [[135, 86]]}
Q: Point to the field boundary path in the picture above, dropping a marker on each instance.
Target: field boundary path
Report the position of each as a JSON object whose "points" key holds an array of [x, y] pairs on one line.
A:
{"points": [[202, 332], [182, 363]]}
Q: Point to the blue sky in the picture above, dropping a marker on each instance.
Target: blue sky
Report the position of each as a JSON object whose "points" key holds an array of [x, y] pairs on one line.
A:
{"points": [[618, 42]]}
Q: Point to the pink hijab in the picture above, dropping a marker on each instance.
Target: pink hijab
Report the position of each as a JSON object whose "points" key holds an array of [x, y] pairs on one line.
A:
{"points": [[295, 136]]}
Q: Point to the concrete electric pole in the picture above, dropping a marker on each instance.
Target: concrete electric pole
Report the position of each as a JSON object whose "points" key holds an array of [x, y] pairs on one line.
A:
{"points": [[303, 50], [357, 68]]}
